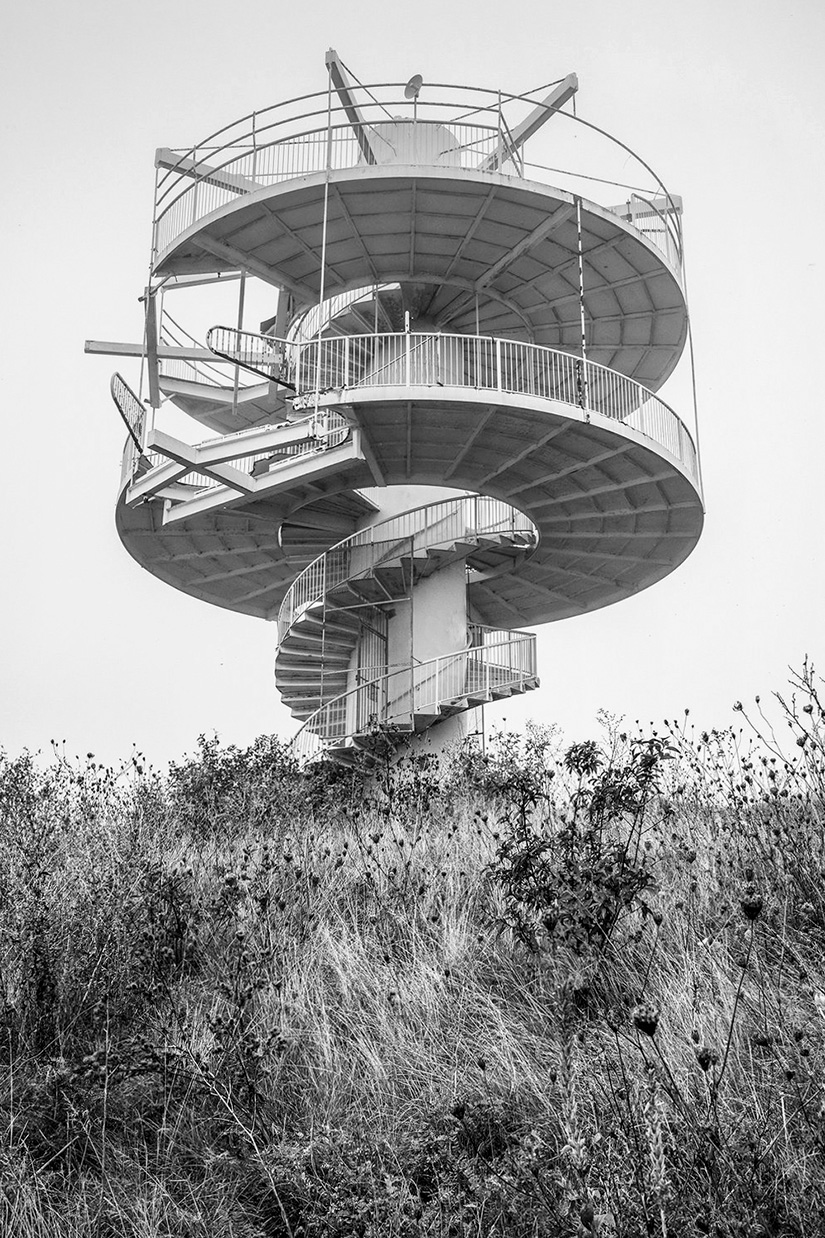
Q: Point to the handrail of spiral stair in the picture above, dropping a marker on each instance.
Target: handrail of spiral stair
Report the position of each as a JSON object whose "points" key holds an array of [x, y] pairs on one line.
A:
{"points": [[501, 665], [171, 332], [327, 429], [278, 145], [413, 531], [488, 363], [133, 414], [316, 317]]}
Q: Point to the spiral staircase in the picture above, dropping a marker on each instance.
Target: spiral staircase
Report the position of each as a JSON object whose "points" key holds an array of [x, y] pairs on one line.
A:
{"points": [[450, 427]]}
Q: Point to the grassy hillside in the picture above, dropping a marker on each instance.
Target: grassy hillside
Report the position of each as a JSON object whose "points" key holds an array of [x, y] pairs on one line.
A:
{"points": [[553, 990]]}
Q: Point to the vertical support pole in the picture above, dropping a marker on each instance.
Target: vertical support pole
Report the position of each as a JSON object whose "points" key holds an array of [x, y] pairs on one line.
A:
{"points": [[150, 346], [322, 281], [241, 299], [407, 345], [412, 635], [498, 364], [323, 627], [583, 393]]}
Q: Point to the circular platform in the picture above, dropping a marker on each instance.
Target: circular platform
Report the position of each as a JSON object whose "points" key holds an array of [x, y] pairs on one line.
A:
{"points": [[615, 512], [458, 235]]}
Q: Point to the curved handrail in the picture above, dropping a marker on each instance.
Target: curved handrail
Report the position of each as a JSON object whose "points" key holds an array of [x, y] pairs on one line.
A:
{"points": [[328, 429], [420, 528], [488, 363], [307, 324], [288, 158], [270, 366], [171, 332], [133, 414], [288, 140], [422, 689], [493, 364]]}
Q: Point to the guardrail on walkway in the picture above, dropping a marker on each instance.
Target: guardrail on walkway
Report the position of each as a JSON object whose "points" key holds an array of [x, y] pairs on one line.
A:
{"points": [[421, 528], [506, 660]]}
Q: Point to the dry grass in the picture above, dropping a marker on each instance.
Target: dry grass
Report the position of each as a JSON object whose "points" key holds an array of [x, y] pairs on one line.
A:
{"points": [[551, 992]]}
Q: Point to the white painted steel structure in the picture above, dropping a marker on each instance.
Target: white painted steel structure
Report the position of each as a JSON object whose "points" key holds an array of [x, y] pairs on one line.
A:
{"points": [[450, 315]]}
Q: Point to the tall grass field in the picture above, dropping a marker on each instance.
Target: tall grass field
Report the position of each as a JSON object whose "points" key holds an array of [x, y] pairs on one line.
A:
{"points": [[542, 989]]}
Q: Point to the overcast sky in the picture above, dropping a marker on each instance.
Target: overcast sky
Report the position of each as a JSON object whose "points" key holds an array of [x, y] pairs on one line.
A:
{"points": [[723, 97]]}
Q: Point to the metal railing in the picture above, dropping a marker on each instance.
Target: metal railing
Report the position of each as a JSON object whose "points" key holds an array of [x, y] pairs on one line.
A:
{"points": [[324, 430], [413, 532], [308, 323], [505, 660], [450, 125], [287, 158], [133, 414], [264, 355], [173, 334], [491, 364], [483, 363], [660, 223]]}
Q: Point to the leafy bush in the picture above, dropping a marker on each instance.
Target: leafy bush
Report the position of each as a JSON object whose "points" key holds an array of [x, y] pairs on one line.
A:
{"points": [[546, 989]]}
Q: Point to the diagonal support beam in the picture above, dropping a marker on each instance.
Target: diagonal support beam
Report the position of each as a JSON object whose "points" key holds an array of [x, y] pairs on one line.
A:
{"points": [[512, 461], [344, 89], [197, 460], [295, 472], [553, 221], [253, 266], [576, 466], [548, 225], [471, 438], [378, 475], [532, 123], [199, 171]]}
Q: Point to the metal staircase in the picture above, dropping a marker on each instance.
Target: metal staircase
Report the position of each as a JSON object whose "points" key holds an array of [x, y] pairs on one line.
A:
{"points": [[321, 618], [452, 425]]}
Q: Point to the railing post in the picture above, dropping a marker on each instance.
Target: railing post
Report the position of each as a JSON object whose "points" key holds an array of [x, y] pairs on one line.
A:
{"points": [[498, 364], [407, 341], [346, 361]]}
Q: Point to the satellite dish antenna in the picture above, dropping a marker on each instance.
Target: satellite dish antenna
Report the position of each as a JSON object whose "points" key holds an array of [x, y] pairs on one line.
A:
{"points": [[411, 91]]}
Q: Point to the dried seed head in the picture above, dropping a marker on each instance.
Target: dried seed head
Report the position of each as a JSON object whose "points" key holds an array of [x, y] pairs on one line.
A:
{"points": [[706, 1057], [751, 903], [646, 1018]]}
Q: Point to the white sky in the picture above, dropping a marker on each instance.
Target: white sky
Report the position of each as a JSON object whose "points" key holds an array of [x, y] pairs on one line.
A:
{"points": [[724, 98]]}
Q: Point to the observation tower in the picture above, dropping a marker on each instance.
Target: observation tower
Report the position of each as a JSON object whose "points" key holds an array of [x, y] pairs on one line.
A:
{"points": [[447, 427]]}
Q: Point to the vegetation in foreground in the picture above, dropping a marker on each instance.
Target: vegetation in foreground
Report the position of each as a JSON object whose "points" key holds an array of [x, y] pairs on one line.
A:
{"points": [[546, 991]]}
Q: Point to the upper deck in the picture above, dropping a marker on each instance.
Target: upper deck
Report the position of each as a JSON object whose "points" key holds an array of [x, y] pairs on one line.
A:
{"points": [[442, 197]]}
